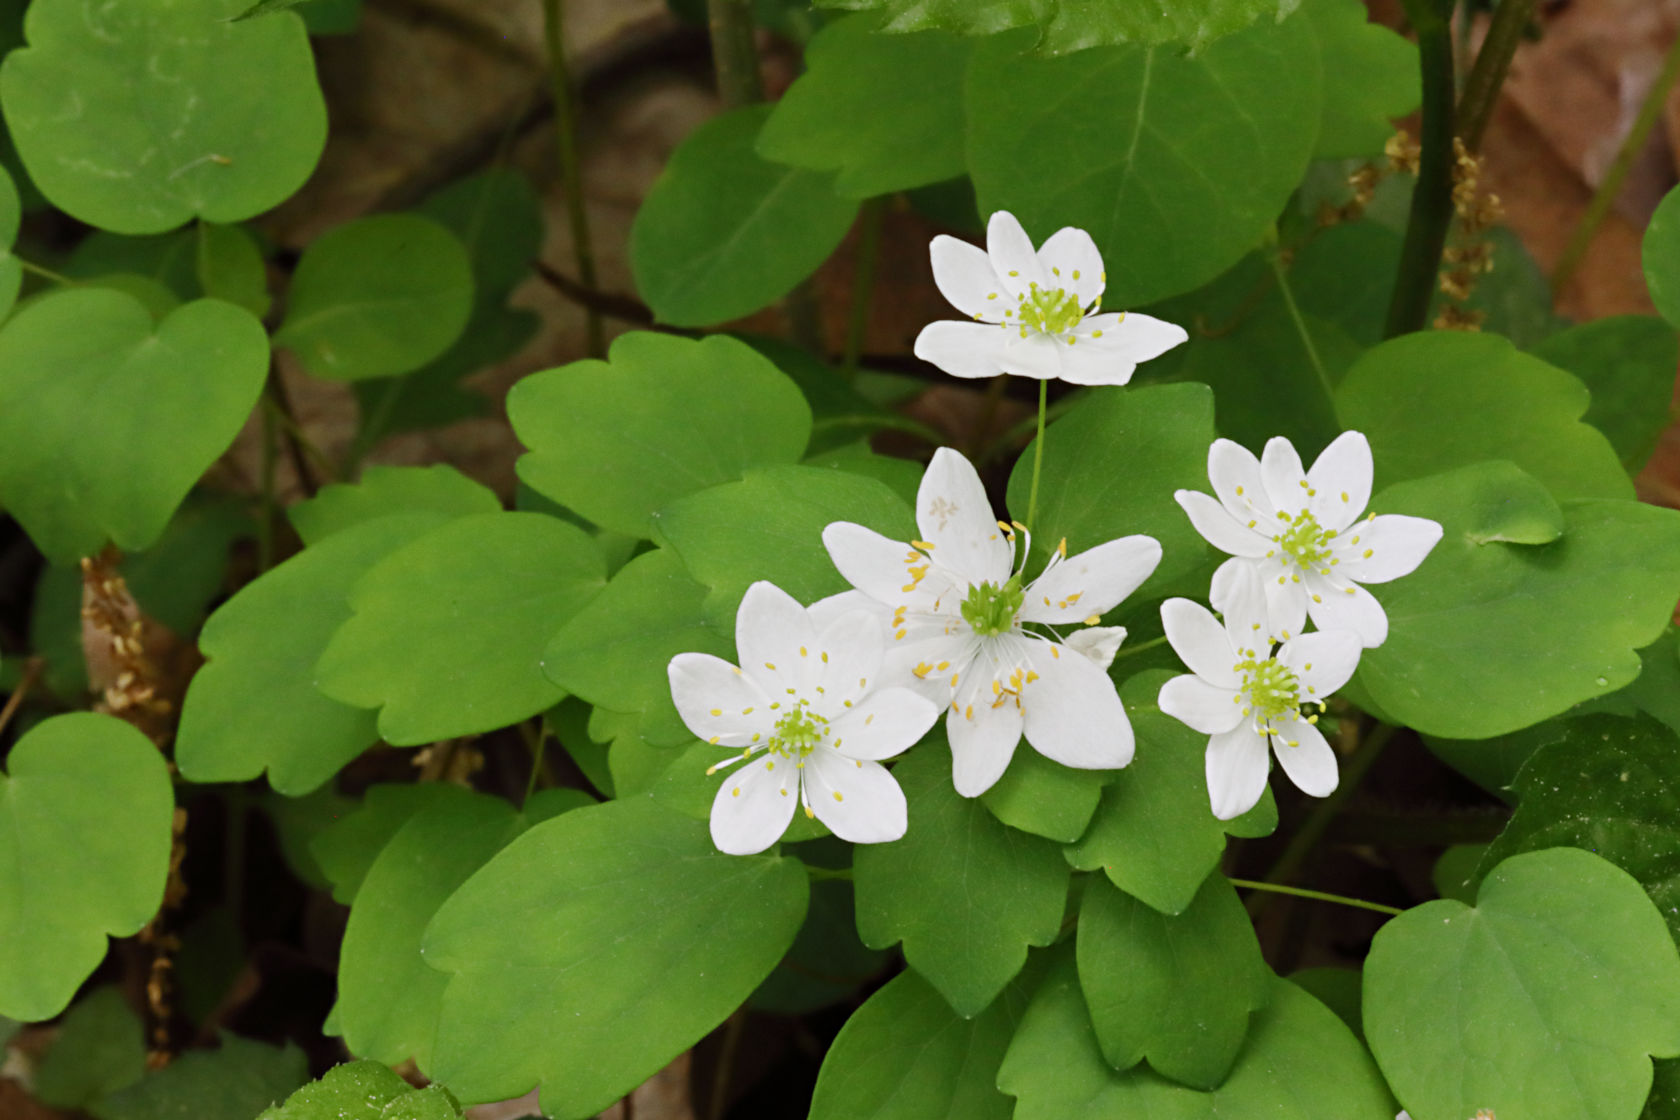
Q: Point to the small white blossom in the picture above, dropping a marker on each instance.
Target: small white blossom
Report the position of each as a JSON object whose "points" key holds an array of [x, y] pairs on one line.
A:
{"points": [[807, 714], [1246, 695], [1035, 313], [958, 616], [1301, 532]]}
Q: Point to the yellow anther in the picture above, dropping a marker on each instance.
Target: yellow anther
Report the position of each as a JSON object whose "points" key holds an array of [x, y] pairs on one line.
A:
{"points": [[1093, 620], [922, 670], [802, 652], [1061, 548], [837, 796], [942, 666], [736, 792], [925, 546], [717, 711], [770, 665], [1368, 553]]}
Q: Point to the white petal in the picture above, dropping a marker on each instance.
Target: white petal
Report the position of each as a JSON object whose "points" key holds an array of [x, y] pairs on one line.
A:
{"points": [[753, 807], [1085, 364], [1385, 547], [1073, 713], [1306, 757], [1236, 771], [955, 516], [1012, 253], [1129, 335], [1235, 474], [1099, 643], [963, 349], [823, 612], [880, 567], [770, 629], [1238, 593], [845, 661], [1282, 475], [1286, 602], [965, 277], [1074, 264], [915, 662], [1339, 605], [858, 801], [1216, 525], [1340, 479], [1199, 705], [982, 743], [1200, 642], [1092, 582], [1323, 661], [1036, 355], [883, 724], [717, 701]]}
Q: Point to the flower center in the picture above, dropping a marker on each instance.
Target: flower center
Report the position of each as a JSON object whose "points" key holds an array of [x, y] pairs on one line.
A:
{"points": [[1270, 689], [990, 610], [1305, 541], [1049, 311], [797, 734]]}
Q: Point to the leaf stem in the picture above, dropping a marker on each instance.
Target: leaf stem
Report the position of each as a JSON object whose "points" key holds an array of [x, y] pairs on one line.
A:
{"points": [[1608, 190], [1321, 896], [44, 273], [863, 282], [1493, 62], [1432, 204], [1274, 258], [734, 53], [536, 740], [31, 673], [1038, 453], [1130, 651], [571, 171]]}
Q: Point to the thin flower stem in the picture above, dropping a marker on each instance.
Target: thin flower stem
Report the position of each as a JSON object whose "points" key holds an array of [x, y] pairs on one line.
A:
{"points": [[1493, 62], [535, 740], [44, 273], [863, 282], [1131, 651], [1432, 203], [1321, 896], [31, 673], [281, 405], [734, 53], [1603, 198], [1038, 454], [571, 172], [1282, 274]]}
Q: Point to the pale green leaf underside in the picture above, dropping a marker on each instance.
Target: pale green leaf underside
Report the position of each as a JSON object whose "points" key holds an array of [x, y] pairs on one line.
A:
{"points": [[1071, 25]]}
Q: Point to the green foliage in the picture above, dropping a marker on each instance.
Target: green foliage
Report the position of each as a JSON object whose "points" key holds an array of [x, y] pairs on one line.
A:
{"points": [[347, 848], [827, 962], [723, 232], [11, 214], [965, 894], [377, 296], [885, 111], [1577, 590], [1299, 1061], [442, 652], [1173, 990], [597, 947], [101, 1048], [234, 1082], [1627, 362], [1662, 258], [1561, 947], [1370, 78], [165, 400], [99, 781], [619, 439], [1231, 129], [1072, 25], [364, 1091], [1045, 798], [229, 265], [139, 117], [381, 491]]}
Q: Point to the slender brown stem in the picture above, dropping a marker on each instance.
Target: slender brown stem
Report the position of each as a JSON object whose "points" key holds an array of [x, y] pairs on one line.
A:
{"points": [[571, 171], [31, 673], [734, 53], [1493, 62], [294, 437], [615, 306], [1432, 203]]}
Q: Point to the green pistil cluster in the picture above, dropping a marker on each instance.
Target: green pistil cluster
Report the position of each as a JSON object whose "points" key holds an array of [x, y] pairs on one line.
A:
{"points": [[990, 609], [1305, 541], [1270, 689], [1049, 311], [797, 734]]}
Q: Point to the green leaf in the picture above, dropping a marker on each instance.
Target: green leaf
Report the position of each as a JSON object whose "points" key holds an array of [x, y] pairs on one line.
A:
{"points": [[1072, 25], [331, 17], [498, 218], [1662, 258], [1563, 962], [1611, 786], [298, 821], [229, 266], [965, 894], [1177, 165], [1045, 798], [598, 946], [1370, 78], [662, 418], [139, 117], [905, 1055], [885, 111], [432, 396], [101, 1047], [234, 1082], [769, 526], [1496, 630], [1154, 833], [169, 258], [1111, 465], [381, 491], [1175, 991], [364, 1091], [267, 7], [255, 705], [377, 296], [1336, 988], [1299, 1062], [101, 782], [1627, 362], [165, 400], [827, 963], [348, 848], [443, 651], [723, 232], [1438, 400], [11, 214]]}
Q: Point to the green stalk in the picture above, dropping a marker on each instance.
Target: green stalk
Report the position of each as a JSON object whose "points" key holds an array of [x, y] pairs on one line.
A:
{"points": [[571, 175], [1282, 275], [734, 54], [1432, 204], [1493, 61], [1038, 454], [44, 273], [863, 282], [1321, 896]]}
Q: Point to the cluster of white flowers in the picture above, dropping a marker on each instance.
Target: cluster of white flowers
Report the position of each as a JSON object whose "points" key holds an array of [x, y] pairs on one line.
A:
{"points": [[949, 622]]}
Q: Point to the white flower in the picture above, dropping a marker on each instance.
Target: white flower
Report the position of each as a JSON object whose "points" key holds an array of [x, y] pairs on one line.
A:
{"points": [[1035, 313], [1301, 533], [805, 711], [957, 613], [1246, 695]]}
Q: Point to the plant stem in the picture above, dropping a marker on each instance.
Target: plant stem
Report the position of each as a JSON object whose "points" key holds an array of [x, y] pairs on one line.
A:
{"points": [[571, 171], [1321, 896], [1282, 275], [1432, 204], [821, 874], [734, 54], [281, 405], [1603, 198], [1493, 61], [1130, 651], [44, 273], [726, 1064], [863, 282], [1038, 454], [31, 672], [535, 740], [270, 508]]}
